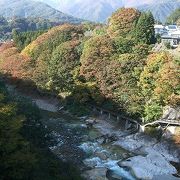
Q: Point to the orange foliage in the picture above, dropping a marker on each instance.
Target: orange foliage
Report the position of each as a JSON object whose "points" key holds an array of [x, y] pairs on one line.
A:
{"points": [[122, 21], [5, 46], [50, 35], [13, 63], [96, 54]]}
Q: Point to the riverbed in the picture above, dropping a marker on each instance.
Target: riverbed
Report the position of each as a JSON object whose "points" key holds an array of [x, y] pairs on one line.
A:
{"points": [[84, 147], [102, 150]]}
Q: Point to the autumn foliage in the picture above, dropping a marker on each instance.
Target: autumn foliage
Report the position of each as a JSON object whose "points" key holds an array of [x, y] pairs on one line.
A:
{"points": [[115, 68], [123, 21]]}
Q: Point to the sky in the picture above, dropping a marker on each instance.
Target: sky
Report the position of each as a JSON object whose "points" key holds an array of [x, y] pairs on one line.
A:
{"points": [[127, 3]]}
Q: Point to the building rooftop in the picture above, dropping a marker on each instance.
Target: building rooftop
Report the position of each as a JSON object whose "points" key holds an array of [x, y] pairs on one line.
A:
{"points": [[158, 26], [172, 27]]}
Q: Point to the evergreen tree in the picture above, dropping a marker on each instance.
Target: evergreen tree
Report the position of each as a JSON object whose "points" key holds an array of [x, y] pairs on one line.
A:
{"points": [[144, 31]]}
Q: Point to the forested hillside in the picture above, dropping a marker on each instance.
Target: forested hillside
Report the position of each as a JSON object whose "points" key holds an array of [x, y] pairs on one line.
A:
{"points": [[161, 9], [174, 17], [30, 8], [22, 25], [24, 143], [111, 66]]}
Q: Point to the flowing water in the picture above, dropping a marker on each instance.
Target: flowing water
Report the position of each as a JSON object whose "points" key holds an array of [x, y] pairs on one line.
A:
{"points": [[73, 142], [76, 143]]}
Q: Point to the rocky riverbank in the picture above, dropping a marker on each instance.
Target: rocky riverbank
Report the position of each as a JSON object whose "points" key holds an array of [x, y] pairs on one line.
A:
{"points": [[136, 156], [151, 158]]}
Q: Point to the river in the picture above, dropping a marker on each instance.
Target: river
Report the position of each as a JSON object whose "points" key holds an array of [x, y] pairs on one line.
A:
{"points": [[84, 147], [76, 143], [98, 150]]}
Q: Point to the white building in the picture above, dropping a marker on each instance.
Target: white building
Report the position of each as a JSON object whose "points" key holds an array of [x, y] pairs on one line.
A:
{"points": [[171, 28], [170, 33], [173, 37], [160, 29]]}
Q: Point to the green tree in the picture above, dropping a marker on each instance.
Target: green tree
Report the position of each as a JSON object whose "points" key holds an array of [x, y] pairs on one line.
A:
{"points": [[22, 39], [124, 45], [17, 160], [96, 55], [64, 59], [144, 30], [24, 152], [155, 84]]}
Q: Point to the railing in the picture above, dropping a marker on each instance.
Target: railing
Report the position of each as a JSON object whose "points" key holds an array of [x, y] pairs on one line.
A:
{"points": [[163, 121], [132, 121], [169, 121], [116, 116]]}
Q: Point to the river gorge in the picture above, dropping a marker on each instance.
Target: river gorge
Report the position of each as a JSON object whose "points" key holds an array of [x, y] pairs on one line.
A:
{"points": [[101, 148]]}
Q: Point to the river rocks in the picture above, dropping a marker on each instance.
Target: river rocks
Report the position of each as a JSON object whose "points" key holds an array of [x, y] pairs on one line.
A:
{"points": [[98, 173], [45, 105], [107, 138], [170, 153], [89, 147], [113, 137], [100, 140], [85, 138], [133, 142], [84, 126], [111, 176], [83, 117], [93, 162], [165, 177], [102, 154], [171, 113], [90, 123], [169, 132], [95, 150], [153, 156], [151, 165]]}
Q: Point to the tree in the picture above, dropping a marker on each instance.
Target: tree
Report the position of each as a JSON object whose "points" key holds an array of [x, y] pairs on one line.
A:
{"points": [[178, 22], [96, 55], [64, 60], [17, 160], [22, 39], [24, 152], [122, 22], [123, 45], [144, 30], [159, 81]]}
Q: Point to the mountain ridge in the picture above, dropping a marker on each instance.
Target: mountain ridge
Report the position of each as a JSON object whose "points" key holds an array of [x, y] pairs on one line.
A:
{"points": [[162, 9], [30, 8], [100, 10]]}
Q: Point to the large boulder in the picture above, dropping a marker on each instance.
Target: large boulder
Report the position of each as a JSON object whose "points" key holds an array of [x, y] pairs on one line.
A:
{"points": [[170, 113], [134, 142], [146, 167], [165, 177]]}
